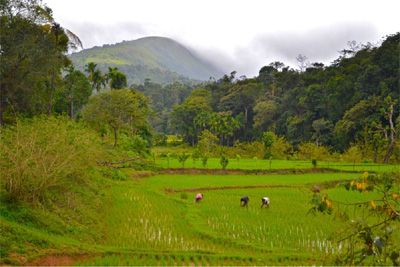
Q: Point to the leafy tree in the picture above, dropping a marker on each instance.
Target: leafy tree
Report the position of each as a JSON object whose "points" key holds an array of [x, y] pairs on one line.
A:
{"points": [[76, 92], [268, 140], [277, 65], [183, 116], [182, 158], [26, 63], [207, 142], [62, 38], [322, 130], [241, 97], [96, 78], [371, 229], [224, 161], [265, 113], [117, 79], [116, 108]]}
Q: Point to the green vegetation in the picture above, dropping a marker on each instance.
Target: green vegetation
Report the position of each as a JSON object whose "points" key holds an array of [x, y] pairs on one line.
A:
{"points": [[52, 188], [148, 222], [160, 59], [275, 165], [90, 188]]}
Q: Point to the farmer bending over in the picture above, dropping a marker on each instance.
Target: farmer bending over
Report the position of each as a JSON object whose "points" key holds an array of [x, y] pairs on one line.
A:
{"points": [[265, 201], [245, 200], [198, 198]]}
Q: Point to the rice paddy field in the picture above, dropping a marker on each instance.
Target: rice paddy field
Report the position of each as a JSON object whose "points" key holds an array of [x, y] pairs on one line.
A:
{"points": [[155, 222], [274, 165]]}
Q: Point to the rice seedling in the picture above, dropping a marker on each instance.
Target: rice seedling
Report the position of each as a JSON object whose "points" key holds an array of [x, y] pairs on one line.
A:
{"points": [[218, 231]]}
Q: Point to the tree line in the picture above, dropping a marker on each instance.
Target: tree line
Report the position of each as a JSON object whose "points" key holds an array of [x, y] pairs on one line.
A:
{"points": [[352, 101]]}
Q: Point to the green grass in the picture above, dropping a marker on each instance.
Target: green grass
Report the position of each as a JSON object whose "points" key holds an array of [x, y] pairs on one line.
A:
{"points": [[149, 224], [274, 165]]}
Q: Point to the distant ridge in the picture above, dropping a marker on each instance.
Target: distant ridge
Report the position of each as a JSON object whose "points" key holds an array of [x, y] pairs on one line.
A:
{"points": [[160, 59]]}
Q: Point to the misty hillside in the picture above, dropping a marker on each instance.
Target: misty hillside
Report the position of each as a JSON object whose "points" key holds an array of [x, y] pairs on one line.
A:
{"points": [[161, 59]]}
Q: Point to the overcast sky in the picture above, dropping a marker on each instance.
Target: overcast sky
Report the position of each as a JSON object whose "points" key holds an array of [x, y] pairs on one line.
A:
{"points": [[235, 35]]}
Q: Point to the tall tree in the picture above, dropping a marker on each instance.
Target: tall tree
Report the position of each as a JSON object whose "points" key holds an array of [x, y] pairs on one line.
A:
{"points": [[117, 79], [75, 94], [393, 126], [117, 108], [66, 37], [25, 61], [303, 62]]}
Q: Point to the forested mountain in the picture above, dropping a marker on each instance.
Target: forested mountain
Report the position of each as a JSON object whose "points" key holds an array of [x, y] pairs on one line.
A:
{"points": [[160, 59]]}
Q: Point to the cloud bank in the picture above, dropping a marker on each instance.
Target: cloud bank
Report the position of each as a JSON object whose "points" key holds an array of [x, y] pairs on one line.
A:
{"points": [[320, 44]]}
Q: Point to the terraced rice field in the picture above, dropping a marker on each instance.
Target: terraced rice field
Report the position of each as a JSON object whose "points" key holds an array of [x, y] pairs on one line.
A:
{"points": [[274, 165], [155, 222]]}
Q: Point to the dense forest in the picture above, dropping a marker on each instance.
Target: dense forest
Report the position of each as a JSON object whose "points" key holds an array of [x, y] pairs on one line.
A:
{"points": [[353, 100]]}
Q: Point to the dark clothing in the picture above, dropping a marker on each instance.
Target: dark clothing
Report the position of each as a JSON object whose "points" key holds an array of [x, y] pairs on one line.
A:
{"points": [[244, 199]]}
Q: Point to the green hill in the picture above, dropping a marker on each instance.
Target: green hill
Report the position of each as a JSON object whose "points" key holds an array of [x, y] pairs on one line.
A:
{"points": [[160, 59]]}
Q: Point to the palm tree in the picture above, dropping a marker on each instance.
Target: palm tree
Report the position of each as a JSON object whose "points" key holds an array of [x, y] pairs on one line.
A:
{"points": [[90, 68], [73, 40], [99, 80], [71, 81]]}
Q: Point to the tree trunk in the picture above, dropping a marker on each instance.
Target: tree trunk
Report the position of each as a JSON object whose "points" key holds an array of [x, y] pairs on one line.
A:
{"points": [[375, 154], [53, 78], [2, 104], [115, 137], [72, 103], [390, 151], [392, 134]]}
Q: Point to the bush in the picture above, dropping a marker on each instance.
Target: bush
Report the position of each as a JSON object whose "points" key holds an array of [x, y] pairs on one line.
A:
{"points": [[224, 161], [308, 151], [42, 159], [314, 163], [135, 144]]}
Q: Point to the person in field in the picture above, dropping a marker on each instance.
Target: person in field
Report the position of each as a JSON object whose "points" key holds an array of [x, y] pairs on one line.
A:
{"points": [[198, 197], [265, 201], [245, 200]]}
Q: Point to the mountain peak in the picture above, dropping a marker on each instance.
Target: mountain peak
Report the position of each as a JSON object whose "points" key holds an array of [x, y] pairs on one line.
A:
{"points": [[153, 53]]}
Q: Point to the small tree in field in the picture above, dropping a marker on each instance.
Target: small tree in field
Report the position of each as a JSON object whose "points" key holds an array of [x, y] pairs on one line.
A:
{"points": [[353, 154], [204, 159], [268, 140], [224, 161], [182, 158], [195, 156]]}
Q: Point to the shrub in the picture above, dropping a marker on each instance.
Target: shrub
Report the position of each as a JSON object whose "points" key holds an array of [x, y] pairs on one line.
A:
{"points": [[314, 163], [204, 160], [182, 158], [135, 144], [42, 159], [224, 161], [308, 151]]}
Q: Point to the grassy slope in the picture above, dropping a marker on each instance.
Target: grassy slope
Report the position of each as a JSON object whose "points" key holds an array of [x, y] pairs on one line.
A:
{"points": [[157, 57]]}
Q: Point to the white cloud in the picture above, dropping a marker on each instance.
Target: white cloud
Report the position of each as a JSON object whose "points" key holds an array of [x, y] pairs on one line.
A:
{"points": [[236, 35]]}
